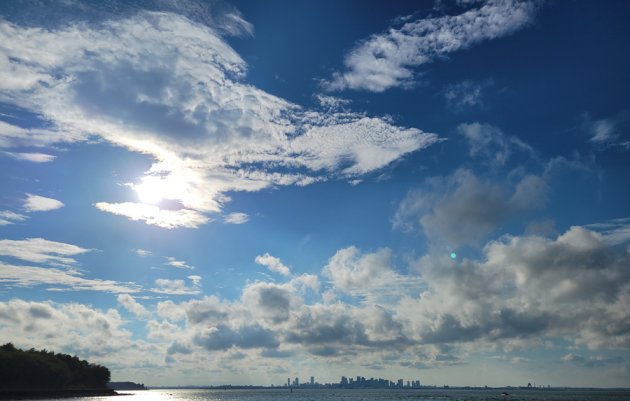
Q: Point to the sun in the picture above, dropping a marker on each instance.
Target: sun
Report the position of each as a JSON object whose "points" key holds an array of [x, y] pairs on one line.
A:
{"points": [[151, 190]]}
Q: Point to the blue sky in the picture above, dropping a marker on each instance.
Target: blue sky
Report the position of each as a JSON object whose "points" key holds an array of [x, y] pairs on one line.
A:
{"points": [[209, 192]]}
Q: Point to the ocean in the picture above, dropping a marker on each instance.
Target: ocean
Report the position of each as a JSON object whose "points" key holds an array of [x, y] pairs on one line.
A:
{"points": [[367, 395]]}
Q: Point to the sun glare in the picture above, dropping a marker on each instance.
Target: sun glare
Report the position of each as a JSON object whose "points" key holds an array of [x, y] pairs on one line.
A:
{"points": [[151, 190]]}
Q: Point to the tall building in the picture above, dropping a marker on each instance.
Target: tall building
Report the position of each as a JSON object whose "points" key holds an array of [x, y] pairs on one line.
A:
{"points": [[288, 382], [312, 380]]}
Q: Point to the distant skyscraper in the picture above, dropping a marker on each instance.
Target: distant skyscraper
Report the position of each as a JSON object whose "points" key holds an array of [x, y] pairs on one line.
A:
{"points": [[288, 382], [312, 380]]}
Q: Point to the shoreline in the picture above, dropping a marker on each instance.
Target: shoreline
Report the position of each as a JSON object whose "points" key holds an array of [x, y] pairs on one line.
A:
{"points": [[36, 394]]}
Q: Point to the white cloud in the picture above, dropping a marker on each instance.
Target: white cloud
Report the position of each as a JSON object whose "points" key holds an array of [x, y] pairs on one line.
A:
{"points": [[76, 329], [370, 276], [236, 218], [36, 203], [143, 253], [331, 103], [129, 303], [274, 264], [179, 264], [152, 214], [31, 157], [464, 209], [13, 136], [386, 60], [39, 250], [465, 94], [614, 232], [160, 84], [177, 287], [529, 288], [490, 143], [603, 131], [8, 217], [59, 279], [60, 271]]}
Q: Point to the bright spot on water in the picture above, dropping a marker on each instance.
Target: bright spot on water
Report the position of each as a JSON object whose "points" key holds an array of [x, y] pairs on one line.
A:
{"points": [[453, 255]]}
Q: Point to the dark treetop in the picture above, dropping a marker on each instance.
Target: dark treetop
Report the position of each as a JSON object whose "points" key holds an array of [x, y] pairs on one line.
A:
{"points": [[33, 369]]}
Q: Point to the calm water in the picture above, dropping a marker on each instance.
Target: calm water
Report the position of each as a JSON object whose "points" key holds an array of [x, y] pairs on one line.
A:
{"points": [[364, 395]]}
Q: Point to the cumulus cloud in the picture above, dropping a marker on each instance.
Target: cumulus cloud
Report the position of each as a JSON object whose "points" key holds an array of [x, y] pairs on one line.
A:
{"points": [[521, 292], [370, 276], [223, 338], [272, 263], [386, 60], [465, 209], [129, 303], [531, 288], [36, 203], [236, 218], [8, 217], [162, 84], [177, 287], [97, 335]]}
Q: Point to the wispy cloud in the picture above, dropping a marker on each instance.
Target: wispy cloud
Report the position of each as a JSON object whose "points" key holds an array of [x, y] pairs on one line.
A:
{"points": [[209, 133], [609, 132], [386, 60], [58, 271], [143, 253], [39, 250], [59, 279], [179, 264], [236, 218], [465, 94], [36, 203], [491, 143], [8, 217], [31, 157]]}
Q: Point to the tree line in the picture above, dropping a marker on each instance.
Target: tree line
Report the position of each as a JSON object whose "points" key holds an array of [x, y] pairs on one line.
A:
{"points": [[41, 369]]}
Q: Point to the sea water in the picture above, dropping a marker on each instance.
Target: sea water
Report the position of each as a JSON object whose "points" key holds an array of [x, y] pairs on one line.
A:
{"points": [[286, 394]]}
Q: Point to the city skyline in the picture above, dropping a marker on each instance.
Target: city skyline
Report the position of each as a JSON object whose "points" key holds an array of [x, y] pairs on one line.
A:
{"points": [[202, 192]]}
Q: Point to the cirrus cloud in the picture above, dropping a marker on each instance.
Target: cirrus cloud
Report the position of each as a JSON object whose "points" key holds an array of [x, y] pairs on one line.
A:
{"points": [[161, 84]]}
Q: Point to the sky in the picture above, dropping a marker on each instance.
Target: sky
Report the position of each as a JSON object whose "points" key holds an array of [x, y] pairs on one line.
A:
{"points": [[204, 192]]}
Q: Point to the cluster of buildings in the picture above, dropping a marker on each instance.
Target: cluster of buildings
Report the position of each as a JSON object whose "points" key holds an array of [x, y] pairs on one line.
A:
{"points": [[359, 382]]}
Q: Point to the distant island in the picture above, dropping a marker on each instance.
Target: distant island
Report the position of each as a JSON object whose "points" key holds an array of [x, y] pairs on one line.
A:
{"points": [[46, 374], [126, 386]]}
